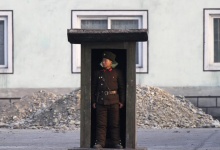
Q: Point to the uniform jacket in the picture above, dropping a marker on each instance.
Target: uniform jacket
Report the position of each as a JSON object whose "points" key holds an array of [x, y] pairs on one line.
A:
{"points": [[105, 80]]}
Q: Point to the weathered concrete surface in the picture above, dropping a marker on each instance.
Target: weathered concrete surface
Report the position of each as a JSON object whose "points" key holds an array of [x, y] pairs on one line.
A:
{"points": [[166, 139]]}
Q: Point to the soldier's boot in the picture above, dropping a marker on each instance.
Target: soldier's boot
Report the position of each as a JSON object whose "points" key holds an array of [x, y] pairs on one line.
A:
{"points": [[97, 146], [118, 146]]}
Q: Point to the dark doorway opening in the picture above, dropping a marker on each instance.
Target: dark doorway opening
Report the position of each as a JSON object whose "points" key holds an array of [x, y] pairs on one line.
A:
{"points": [[121, 58]]}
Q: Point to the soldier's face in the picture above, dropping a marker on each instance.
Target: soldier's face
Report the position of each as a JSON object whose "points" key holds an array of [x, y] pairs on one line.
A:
{"points": [[106, 63]]}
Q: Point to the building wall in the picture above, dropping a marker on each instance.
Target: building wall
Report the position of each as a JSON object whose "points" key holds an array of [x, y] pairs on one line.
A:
{"points": [[42, 54]]}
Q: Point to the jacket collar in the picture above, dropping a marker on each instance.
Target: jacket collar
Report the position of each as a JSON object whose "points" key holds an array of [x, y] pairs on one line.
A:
{"points": [[109, 70]]}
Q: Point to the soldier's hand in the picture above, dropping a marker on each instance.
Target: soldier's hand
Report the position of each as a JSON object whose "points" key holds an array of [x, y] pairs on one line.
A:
{"points": [[120, 105], [94, 105]]}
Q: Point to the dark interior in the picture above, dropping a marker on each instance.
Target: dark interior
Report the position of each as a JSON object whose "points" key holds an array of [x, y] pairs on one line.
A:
{"points": [[96, 58]]}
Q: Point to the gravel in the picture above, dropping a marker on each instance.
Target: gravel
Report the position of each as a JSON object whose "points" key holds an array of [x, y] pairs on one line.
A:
{"points": [[155, 108]]}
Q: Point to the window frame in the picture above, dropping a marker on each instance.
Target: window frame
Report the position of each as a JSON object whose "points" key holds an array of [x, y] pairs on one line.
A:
{"points": [[140, 15], [7, 17], [208, 39]]}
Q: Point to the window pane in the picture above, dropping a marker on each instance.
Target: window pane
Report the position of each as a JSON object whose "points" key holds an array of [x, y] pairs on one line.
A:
{"points": [[2, 58], [94, 24], [126, 24], [216, 39]]}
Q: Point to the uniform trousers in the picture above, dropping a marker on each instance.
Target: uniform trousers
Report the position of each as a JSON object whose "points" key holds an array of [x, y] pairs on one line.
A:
{"points": [[107, 115]]}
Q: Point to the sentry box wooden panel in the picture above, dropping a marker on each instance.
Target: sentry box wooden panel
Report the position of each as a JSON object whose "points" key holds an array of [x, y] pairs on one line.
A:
{"points": [[123, 44]]}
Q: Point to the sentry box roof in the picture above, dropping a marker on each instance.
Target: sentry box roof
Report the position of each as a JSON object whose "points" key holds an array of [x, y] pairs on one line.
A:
{"points": [[78, 36]]}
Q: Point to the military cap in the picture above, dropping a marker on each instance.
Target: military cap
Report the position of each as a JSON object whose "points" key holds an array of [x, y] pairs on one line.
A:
{"points": [[111, 56]]}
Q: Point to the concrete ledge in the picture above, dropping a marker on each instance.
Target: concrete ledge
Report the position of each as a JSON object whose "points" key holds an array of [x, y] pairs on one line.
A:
{"points": [[193, 91], [184, 91], [20, 92]]}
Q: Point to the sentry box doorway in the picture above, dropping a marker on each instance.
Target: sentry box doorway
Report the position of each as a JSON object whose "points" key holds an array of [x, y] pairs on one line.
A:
{"points": [[96, 58], [123, 44]]}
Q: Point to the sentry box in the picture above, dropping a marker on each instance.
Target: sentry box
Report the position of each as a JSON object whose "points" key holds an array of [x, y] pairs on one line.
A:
{"points": [[93, 44]]}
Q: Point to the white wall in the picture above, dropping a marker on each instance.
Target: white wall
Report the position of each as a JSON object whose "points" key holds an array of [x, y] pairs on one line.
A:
{"points": [[176, 44], [42, 54]]}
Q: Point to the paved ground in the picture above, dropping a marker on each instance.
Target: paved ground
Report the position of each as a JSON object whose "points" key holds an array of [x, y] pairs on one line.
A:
{"points": [[165, 139]]}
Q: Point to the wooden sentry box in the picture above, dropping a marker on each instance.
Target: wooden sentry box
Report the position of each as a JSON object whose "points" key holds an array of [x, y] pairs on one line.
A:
{"points": [[123, 44]]}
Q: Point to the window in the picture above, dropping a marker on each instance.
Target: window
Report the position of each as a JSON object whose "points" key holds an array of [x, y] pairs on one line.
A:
{"points": [[111, 20], [211, 39], [6, 42]]}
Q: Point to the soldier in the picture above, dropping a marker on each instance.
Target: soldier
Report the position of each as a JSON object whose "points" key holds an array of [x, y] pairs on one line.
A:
{"points": [[108, 97]]}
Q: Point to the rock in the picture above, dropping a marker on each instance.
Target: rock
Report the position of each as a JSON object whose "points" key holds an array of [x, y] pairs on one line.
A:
{"points": [[72, 122], [15, 118], [16, 126], [77, 123], [3, 125], [216, 123]]}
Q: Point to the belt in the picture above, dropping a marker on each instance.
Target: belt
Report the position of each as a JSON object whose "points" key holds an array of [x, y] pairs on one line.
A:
{"points": [[109, 92]]}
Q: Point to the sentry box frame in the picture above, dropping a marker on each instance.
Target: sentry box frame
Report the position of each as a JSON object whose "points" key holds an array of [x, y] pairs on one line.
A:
{"points": [[123, 44]]}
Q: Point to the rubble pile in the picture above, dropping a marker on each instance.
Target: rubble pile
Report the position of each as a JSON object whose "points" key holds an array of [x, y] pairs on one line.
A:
{"points": [[43, 110], [159, 109], [156, 108]]}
